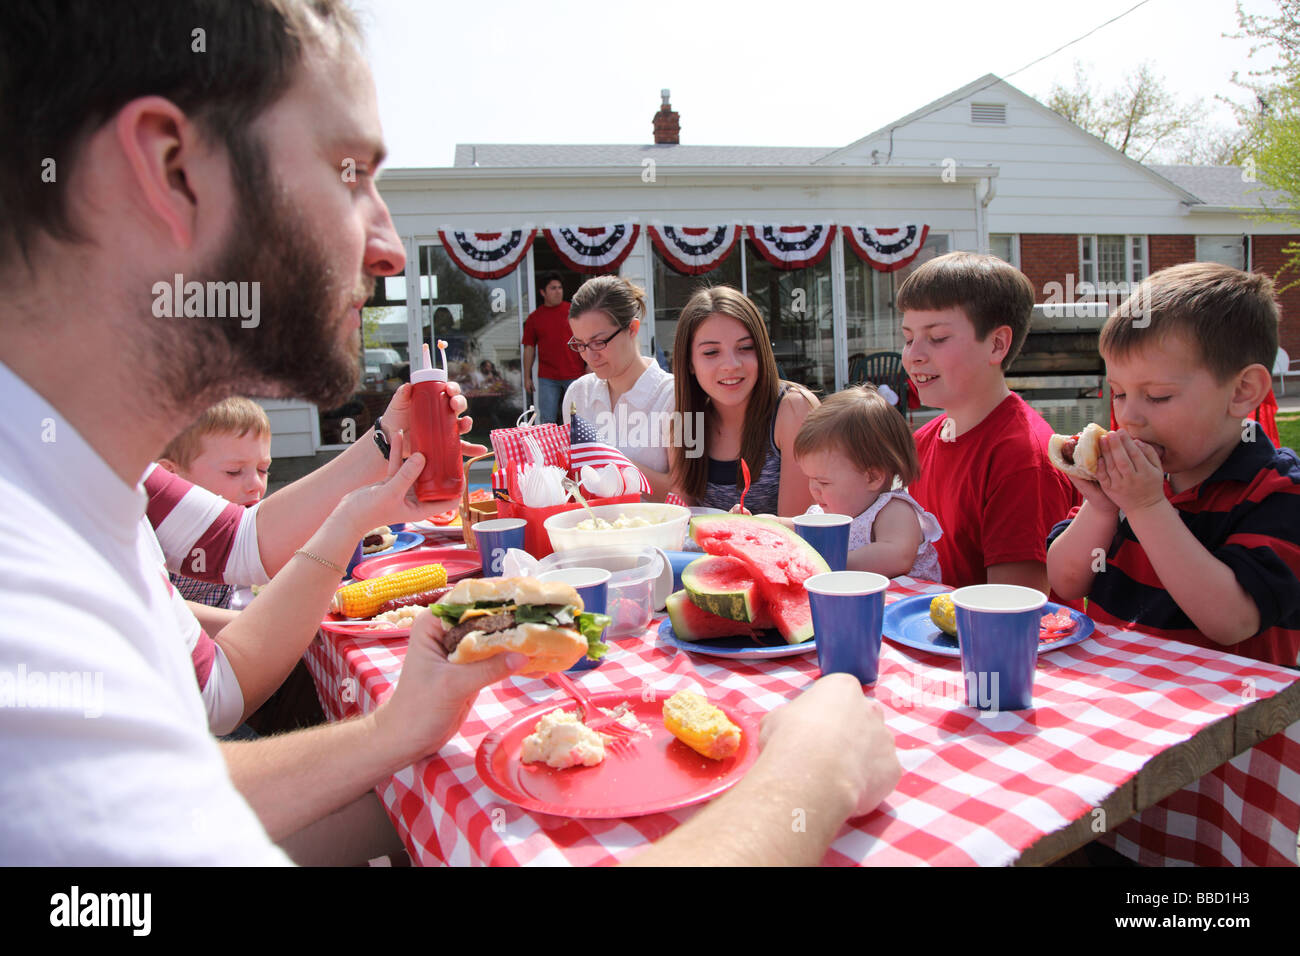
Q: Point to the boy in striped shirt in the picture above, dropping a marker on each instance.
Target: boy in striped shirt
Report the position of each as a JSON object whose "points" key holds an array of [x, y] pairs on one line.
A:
{"points": [[1192, 529], [228, 452]]}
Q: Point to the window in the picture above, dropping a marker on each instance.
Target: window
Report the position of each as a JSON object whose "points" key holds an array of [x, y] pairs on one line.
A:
{"points": [[1006, 247], [1112, 259], [1225, 250], [872, 322], [673, 290]]}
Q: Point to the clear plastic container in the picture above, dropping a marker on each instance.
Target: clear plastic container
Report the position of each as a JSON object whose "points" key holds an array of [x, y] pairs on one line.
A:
{"points": [[637, 584]]}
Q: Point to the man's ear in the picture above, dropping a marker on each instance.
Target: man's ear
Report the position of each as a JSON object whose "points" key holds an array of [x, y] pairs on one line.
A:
{"points": [[158, 143], [1253, 383]]}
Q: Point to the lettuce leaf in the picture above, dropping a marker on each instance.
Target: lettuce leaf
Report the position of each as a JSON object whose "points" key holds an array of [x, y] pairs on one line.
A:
{"points": [[450, 612], [591, 626]]}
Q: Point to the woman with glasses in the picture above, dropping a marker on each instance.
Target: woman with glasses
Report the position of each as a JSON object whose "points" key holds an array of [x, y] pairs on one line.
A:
{"points": [[626, 396], [726, 375]]}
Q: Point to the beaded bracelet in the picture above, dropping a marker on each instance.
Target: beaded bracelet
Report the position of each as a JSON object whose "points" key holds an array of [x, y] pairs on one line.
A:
{"points": [[316, 557]]}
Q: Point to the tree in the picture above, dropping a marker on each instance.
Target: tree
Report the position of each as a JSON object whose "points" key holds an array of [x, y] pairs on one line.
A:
{"points": [[1273, 128], [1143, 120]]}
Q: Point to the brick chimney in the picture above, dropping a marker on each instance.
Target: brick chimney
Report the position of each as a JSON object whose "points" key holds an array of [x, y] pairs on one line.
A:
{"points": [[667, 128]]}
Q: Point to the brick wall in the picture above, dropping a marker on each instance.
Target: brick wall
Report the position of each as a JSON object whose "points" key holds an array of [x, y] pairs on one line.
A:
{"points": [[1267, 257], [1166, 251], [1048, 258]]}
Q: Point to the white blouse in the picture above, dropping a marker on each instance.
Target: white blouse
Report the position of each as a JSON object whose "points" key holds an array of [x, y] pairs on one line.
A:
{"points": [[641, 427]]}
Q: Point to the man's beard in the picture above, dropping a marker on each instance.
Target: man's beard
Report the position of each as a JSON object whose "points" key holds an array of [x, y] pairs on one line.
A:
{"points": [[294, 350]]}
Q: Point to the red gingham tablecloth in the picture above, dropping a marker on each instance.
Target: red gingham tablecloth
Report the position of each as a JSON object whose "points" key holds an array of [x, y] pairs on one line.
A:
{"points": [[977, 790]]}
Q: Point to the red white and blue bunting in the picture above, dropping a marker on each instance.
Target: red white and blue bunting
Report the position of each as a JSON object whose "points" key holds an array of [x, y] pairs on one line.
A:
{"points": [[487, 255], [792, 247], [593, 249], [886, 249], [693, 250]]}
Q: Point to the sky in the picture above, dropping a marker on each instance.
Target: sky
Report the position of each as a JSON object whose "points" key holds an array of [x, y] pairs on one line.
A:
{"points": [[756, 72]]}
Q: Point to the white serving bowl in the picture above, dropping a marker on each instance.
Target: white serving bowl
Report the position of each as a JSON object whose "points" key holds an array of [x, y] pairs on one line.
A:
{"points": [[667, 529]]}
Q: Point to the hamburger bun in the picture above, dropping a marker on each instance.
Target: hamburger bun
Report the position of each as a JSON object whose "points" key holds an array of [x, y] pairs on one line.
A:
{"points": [[1086, 452], [547, 648]]}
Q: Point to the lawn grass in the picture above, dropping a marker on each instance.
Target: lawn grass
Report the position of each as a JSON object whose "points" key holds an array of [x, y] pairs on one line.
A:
{"points": [[1288, 429]]}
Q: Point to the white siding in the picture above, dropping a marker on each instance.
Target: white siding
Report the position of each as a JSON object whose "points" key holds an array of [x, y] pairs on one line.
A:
{"points": [[1054, 178], [295, 427]]}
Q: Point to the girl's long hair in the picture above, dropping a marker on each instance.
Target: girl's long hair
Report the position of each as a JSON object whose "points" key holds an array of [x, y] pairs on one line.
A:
{"points": [[690, 476]]}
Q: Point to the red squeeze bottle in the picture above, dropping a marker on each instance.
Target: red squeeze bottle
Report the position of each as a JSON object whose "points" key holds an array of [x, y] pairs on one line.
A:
{"points": [[434, 432]]}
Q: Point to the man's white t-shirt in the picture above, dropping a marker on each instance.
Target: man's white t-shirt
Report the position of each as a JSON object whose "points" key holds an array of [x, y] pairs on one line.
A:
{"points": [[105, 753]]}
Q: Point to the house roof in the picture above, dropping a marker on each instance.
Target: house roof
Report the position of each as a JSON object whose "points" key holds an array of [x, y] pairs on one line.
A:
{"points": [[536, 155], [1003, 88], [1221, 186]]}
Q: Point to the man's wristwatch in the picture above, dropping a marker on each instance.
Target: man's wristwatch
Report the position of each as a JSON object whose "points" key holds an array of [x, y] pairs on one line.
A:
{"points": [[381, 440]]}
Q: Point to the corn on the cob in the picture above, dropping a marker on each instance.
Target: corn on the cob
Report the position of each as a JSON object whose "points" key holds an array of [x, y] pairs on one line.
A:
{"points": [[701, 726], [364, 598]]}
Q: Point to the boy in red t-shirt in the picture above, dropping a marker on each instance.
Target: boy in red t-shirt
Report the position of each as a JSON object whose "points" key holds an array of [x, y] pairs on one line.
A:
{"points": [[984, 469]]}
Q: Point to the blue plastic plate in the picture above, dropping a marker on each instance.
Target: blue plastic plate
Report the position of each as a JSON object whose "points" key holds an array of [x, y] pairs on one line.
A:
{"points": [[406, 540], [907, 622], [736, 648]]}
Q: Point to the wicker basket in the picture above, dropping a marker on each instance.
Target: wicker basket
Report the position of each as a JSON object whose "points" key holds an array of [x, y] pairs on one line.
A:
{"points": [[470, 514]]}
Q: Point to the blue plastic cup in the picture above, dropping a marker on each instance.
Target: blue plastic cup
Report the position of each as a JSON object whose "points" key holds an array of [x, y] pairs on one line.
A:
{"points": [[847, 611], [592, 585], [829, 534], [997, 631], [494, 538]]}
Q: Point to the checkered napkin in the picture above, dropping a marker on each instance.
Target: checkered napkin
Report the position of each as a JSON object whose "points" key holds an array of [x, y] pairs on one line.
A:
{"points": [[510, 445], [977, 790]]}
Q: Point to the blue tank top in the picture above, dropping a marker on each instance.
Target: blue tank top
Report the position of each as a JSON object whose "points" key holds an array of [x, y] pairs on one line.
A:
{"points": [[764, 488]]}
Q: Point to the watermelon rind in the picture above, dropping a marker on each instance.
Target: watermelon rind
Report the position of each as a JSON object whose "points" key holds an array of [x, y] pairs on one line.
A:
{"points": [[723, 586], [691, 623]]}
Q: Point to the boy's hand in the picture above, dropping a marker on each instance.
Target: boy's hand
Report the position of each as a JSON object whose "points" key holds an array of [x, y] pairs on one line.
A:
{"points": [[1130, 473], [1094, 495], [433, 696]]}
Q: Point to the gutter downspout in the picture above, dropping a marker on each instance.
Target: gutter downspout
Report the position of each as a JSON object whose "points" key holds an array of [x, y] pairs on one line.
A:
{"points": [[982, 214]]}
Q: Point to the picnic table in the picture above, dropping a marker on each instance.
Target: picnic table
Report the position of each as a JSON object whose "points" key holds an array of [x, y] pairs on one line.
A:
{"points": [[1167, 752]]}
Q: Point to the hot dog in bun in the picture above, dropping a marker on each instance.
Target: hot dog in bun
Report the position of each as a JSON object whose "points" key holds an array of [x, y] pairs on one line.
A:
{"points": [[1077, 455], [543, 620]]}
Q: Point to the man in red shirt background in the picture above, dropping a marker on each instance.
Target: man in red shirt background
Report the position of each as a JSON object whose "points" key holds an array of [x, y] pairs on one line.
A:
{"points": [[546, 336]]}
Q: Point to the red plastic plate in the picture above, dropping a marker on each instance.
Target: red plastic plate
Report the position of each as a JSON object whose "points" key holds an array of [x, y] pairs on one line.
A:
{"points": [[659, 773], [331, 626], [459, 562]]}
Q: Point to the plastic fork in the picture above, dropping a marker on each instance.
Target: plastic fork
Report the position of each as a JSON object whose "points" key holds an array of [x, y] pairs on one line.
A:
{"points": [[744, 471], [591, 714]]}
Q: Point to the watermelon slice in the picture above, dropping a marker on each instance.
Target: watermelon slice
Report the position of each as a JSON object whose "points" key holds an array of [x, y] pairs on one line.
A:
{"points": [[776, 556], [725, 587], [691, 623]]}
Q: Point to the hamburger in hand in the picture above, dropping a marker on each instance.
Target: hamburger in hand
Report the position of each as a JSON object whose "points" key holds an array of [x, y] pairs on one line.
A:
{"points": [[1077, 455], [543, 620]]}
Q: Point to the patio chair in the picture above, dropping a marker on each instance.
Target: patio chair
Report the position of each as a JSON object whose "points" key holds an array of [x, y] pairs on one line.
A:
{"points": [[882, 368], [1283, 366]]}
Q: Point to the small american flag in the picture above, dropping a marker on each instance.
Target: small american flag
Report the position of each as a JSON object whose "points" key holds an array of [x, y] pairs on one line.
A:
{"points": [[586, 448]]}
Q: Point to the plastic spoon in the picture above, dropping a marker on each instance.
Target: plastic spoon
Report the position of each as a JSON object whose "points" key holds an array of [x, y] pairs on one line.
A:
{"points": [[571, 485], [744, 470]]}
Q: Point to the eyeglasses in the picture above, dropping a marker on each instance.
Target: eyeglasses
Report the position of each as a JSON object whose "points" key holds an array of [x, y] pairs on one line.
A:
{"points": [[596, 345]]}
